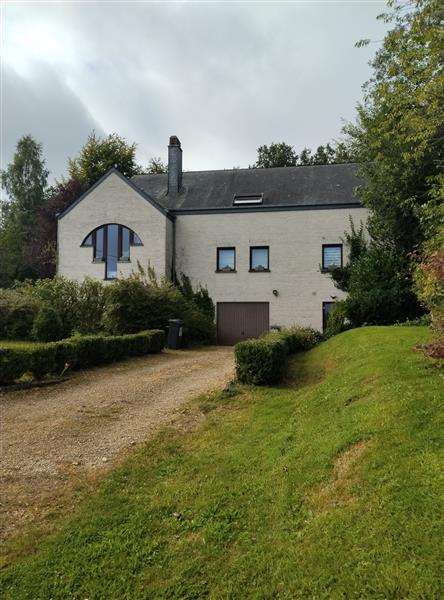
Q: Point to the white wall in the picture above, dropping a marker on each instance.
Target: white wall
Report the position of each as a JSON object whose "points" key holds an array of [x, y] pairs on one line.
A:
{"points": [[295, 239], [113, 201]]}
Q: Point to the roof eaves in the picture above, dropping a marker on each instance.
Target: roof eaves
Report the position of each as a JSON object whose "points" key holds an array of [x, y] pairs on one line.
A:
{"points": [[258, 208], [115, 171]]}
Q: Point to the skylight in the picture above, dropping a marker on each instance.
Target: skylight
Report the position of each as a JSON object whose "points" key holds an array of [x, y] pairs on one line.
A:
{"points": [[242, 199]]}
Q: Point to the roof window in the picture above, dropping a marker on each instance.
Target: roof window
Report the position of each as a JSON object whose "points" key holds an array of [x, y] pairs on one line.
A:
{"points": [[242, 199]]}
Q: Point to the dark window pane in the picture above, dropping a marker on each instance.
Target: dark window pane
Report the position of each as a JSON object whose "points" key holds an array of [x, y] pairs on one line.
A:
{"points": [[111, 256], [259, 259], [326, 309], [125, 243], [88, 241], [225, 259], [98, 248], [332, 256], [135, 239]]}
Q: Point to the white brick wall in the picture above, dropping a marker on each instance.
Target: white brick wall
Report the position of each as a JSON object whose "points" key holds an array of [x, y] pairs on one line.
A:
{"points": [[113, 201], [295, 239]]}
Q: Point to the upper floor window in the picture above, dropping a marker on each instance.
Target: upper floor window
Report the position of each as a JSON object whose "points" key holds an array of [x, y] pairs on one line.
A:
{"points": [[111, 244], [226, 260], [259, 258], [331, 256]]}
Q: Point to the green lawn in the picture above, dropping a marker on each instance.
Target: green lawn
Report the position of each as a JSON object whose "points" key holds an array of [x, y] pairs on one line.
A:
{"points": [[328, 487]]}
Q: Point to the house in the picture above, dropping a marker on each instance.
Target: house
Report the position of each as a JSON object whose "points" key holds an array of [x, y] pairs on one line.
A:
{"points": [[261, 240]]}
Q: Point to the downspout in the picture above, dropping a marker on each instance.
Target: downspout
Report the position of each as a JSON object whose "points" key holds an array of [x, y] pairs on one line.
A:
{"points": [[173, 257]]}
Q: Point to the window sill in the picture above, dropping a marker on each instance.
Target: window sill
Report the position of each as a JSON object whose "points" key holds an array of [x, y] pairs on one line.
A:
{"points": [[223, 271], [98, 261], [330, 269], [259, 271], [124, 260]]}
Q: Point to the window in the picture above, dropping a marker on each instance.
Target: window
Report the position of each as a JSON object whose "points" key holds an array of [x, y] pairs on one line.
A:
{"points": [[242, 199], [226, 260], [326, 309], [331, 256], [259, 259], [111, 244]]}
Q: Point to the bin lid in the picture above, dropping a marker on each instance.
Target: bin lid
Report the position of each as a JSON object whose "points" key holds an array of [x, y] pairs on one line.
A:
{"points": [[175, 321]]}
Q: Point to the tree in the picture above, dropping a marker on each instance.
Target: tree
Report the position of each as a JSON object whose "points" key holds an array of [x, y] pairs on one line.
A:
{"points": [[24, 181], [399, 134], [99, 155], [25, 178], [157, 166], [305, 158], [41, 239], [324, 155], [275, 155]]}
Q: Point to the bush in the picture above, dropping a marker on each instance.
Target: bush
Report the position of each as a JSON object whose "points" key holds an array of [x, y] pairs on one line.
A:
{"points": [[17, 315], [13, 364], [300, 338], [61, 294], [380, 289], [78, 352], [135, 304], [262, 361], [47, 326], [337, 319]]}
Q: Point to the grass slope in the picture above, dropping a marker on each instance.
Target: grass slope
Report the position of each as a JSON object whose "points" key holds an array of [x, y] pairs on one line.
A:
{"points": [[328, 487]]}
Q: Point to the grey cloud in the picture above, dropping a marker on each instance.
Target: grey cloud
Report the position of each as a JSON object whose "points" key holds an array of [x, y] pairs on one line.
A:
{"points": [[48, 109], [224, 77]]}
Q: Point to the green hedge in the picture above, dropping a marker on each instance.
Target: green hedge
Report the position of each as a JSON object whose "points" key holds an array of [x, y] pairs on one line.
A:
{"points": [[75, 353], [263, 361]]}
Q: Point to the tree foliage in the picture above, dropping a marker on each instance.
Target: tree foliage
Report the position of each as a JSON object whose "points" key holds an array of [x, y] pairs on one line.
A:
{"points": [[157, 166], [41, 240], [399, 134], [24, 180], [99, 155], [284, 155], [275, 155]]}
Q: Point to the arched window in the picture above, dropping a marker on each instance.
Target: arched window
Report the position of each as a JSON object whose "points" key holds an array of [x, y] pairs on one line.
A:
{"points": [[111, 244]]}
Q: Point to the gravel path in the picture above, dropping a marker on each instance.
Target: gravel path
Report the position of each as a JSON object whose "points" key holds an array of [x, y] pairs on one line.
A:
{"points": [[52, 435]]}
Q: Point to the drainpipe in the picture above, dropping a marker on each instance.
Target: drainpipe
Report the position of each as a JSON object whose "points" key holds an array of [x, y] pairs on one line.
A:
{"points": [[173, 257]]}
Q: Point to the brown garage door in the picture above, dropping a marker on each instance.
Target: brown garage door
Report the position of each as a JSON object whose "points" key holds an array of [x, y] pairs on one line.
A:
{"points": [[238, 321]]}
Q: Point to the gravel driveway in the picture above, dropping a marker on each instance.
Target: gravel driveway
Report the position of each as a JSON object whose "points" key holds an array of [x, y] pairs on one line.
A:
{"points": [[52, 436]]}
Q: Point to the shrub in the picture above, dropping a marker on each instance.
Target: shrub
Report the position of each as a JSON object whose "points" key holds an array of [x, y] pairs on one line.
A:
{"points": [[136, 304], [262, 361], [76, 353], [61, 294], [13, 364], [337, 319], [201, 298], [90, 306], [17, 315], [380, 289], [47, 326], [300, 338]]}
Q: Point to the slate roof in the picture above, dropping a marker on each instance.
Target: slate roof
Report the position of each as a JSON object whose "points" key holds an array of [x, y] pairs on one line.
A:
{"points": [[321, 186]]}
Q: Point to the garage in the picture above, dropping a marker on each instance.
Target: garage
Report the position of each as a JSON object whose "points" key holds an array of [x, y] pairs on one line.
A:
{"points": [[237, 321]]}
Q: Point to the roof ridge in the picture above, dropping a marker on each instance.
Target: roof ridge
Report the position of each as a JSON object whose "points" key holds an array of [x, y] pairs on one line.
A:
{"points": [[254, 169]]}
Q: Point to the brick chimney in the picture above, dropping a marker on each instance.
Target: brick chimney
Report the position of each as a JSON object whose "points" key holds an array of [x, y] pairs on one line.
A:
{"points": [[174, 166]]}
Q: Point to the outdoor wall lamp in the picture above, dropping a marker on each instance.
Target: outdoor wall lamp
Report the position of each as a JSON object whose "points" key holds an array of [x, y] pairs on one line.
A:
{"points": [[275, 293]]}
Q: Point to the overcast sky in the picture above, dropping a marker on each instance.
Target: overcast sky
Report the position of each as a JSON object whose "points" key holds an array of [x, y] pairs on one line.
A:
{"points": [[225, 77]]}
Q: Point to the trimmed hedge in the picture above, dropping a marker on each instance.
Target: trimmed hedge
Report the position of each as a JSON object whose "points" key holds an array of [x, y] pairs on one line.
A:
{"points": [[263, 361], [75, 353]]}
